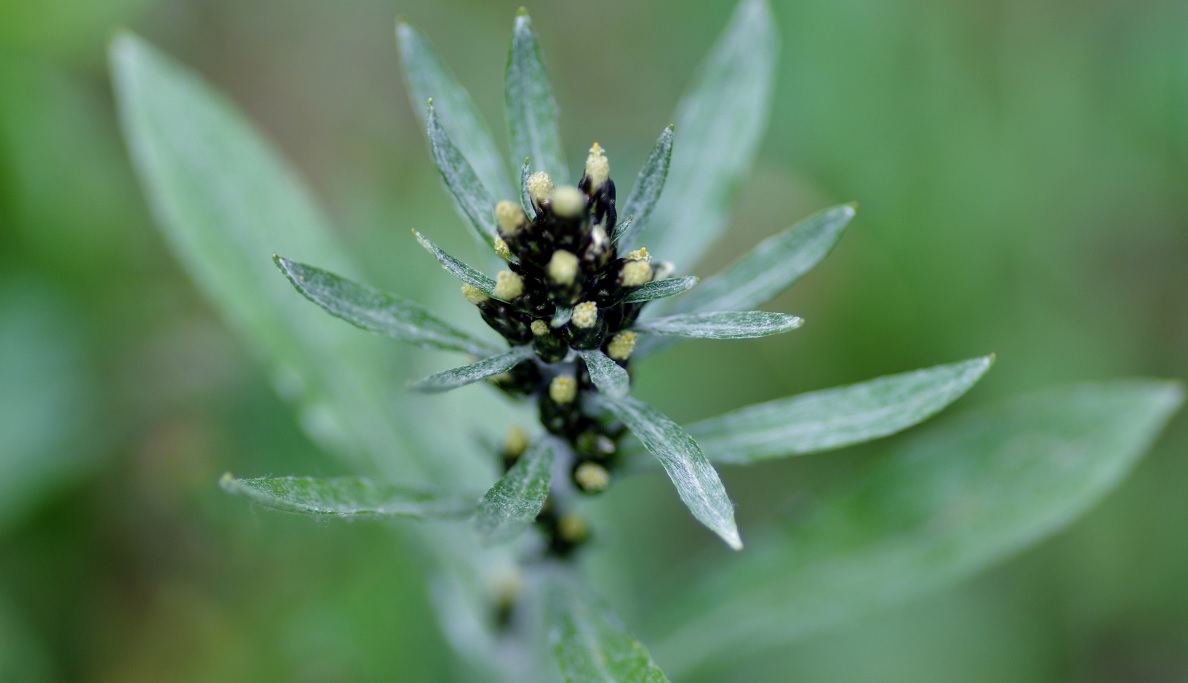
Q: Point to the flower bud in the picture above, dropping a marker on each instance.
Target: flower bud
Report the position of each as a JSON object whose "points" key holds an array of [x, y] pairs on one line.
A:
{"points": [[562, 268], [585, 314], [510, 217], [597, 168], [474, 295], [568, 202], [635, 274], [572, 529], [591, 477], [540, 188], [621, 346], [563, 389], [508, 285], [501, 249]]}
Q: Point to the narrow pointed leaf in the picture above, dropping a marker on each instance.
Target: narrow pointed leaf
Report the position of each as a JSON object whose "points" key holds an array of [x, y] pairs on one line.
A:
{"points": [[721, 325], [695, 479], [646, 192], [932, 511], [469, 374], [463, 272], [721, 118], [473, 198], [516, 499], [226, 200], [590, 643], [772, 266], [561, 315], [660, 289], [531, 109], [610, 377], [835, 418], [525, 198], [427, 77], [376, 311], [347, 497]]}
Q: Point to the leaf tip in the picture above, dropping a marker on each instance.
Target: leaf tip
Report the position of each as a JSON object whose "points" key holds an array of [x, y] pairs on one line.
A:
{"points": [[226, 481], [732, 538]]}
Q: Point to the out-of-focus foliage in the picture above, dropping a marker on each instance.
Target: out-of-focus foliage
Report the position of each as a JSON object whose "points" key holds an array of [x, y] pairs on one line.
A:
{"points": [[1020, 167]]}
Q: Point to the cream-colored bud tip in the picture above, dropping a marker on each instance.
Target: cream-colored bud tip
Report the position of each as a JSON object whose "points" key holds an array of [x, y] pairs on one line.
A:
{"points": [[501, 249], [568, 201], [592, 477], [563, 389], [540, 328], [635, 273], [585, 314], [508, 285], [540, 186], [510, 217], [562, 267], [621, 346], [597, 167], [474, 295]]}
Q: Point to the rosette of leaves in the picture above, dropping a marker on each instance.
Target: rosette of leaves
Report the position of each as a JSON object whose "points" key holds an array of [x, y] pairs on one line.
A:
{"points": [[587, 286]]}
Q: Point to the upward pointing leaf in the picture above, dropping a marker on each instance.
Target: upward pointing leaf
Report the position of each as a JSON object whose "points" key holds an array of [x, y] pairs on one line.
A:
{"points": [[648, 186], [772, 266], [531, 109], [516, 499], [695, 478], [932, 511], [463, 272], [376, 311], [472, 198], [591, 644], [428, 78], [347, 497], [721, 118]]}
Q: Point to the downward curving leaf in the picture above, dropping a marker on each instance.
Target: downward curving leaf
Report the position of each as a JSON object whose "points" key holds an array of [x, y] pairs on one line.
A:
{"points": [[590, 643], [469, 374], [932, 511], [376, 311], [835, 418], [531, 109], [695, 478], [463, 272], [722, 117], [428, 78], [473, 198], [225, 200], [516, 499], [659, 289], [610, 377], [721, 325], [648, 186], [772, 266], [347, 497]]}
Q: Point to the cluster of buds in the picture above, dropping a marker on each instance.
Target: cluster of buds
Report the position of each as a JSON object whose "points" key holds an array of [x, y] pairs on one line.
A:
{"points": [[563, 292]]}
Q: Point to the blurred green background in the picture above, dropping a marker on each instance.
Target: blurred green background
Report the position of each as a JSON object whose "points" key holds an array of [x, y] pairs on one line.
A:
{"points": [[1022, 173]]}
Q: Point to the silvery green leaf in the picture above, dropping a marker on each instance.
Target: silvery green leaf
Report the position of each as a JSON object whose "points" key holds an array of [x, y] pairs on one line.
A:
{"points": [[932, 511], [721, 118], [610, 377], [694, 477], [646, 192], [721, 325], [376, 311], [561, 315], [835, 418], [659, 289], [531, 109], [463, 272], [225, 200], [516, 499], [525, 198], [428, 78], [473, 198], [772, 266], [469, 374], [347, 497], [590, 643]]}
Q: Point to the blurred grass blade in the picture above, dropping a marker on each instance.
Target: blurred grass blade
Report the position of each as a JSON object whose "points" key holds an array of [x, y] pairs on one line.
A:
{"points": [[472, 198], [694, 477], [375, 311], [347, 497], [531, 109], [469, 374], [838, 417], [721, 325], [934, 510], [463, 272], [772, 266], [721, 118], [646, 192], [516, 499], [226, 201], [610, 377], [590, 643], [426, 76], [660, 289]]}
